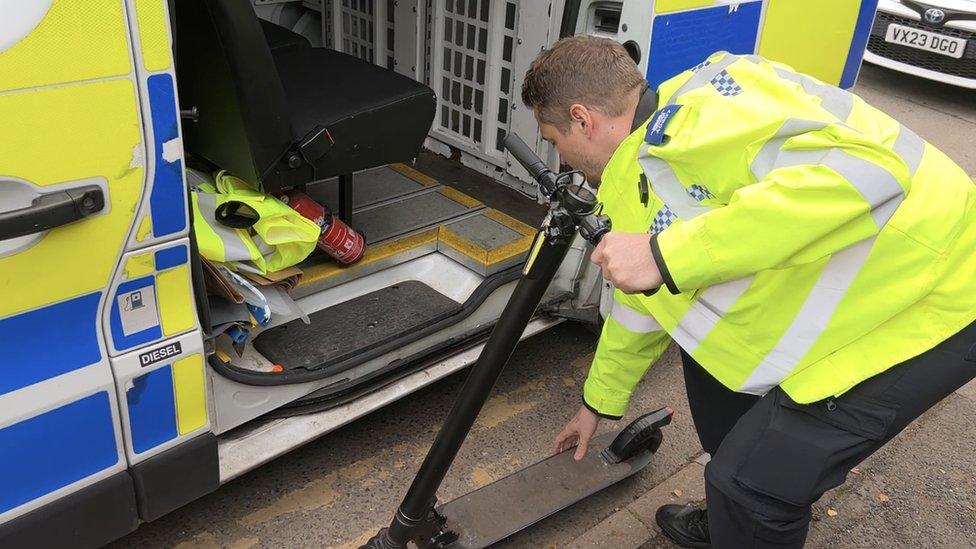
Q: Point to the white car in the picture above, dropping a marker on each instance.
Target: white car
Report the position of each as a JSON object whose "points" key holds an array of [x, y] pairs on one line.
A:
{"points": [[935, 39]]}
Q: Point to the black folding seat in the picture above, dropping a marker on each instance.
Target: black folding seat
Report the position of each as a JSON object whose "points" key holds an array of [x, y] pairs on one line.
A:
{"points": [[280, 38], [275, 111]]}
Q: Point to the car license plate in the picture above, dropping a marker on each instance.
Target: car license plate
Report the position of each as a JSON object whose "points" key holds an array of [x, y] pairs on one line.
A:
{"points": [[925, 40]]}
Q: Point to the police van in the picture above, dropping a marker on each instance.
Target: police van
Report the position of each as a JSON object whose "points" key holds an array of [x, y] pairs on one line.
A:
{"points": [[130, 384]]}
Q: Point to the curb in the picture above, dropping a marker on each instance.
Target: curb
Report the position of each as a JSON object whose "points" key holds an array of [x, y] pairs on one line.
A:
{"points": [[634, 525], [968, 390]]}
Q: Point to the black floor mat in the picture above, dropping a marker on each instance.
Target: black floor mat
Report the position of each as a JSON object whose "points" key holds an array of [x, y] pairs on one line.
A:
{"points": [[354, 326]]}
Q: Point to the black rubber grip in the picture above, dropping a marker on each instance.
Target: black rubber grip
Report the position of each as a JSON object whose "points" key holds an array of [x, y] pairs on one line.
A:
{"points": [[525, 156]]}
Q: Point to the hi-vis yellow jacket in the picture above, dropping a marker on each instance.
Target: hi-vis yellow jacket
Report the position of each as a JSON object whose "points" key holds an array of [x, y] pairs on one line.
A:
{"points": [[272, 236], [806, 239]]}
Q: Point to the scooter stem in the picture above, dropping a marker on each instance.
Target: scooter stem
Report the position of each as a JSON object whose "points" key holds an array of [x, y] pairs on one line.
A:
{"points": [[415, 519]]}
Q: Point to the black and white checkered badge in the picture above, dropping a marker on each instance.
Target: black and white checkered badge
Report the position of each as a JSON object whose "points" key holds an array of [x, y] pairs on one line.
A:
{"points": [[726, 85], [699, 193], [701, 65], [664, 218]]}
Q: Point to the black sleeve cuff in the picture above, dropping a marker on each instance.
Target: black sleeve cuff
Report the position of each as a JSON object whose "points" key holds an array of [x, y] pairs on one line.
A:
{"points": [[651, 291], [597, 412], [662, 267]]}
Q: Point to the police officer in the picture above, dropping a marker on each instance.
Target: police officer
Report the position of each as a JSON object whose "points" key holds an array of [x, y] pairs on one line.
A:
{"points": [[812, 258]]}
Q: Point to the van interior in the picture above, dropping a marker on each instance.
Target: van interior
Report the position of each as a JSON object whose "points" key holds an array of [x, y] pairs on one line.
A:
{"points": [[445, 243]]}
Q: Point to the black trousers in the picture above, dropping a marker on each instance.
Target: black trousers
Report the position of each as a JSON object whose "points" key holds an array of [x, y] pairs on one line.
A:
{"points": [[773, 458]]}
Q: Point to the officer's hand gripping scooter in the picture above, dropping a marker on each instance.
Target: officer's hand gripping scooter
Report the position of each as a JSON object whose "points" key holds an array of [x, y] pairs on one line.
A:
{"points": [[498, 510]]}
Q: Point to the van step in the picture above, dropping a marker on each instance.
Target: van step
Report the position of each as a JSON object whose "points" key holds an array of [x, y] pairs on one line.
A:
{"points": [[374, 186], [355, 326], [487, 242], [413, 213], [404, 214]]}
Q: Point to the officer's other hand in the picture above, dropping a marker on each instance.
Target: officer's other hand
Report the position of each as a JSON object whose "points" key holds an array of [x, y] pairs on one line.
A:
{"points": [[626, 261], [577, 432]]}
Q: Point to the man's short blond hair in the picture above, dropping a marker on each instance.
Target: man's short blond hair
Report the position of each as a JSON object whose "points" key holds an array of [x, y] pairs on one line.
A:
{"points": [[595, 72]]}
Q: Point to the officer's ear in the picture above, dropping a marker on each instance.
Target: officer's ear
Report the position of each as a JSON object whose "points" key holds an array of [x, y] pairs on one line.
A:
{"points": [[581, 117]]}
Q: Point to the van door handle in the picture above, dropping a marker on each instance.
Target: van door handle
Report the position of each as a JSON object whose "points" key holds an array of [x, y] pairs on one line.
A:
{"points": [[52, 210]]}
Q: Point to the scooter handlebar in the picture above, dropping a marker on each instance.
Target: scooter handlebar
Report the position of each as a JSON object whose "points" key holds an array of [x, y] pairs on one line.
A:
{"points": [[525, 156]]}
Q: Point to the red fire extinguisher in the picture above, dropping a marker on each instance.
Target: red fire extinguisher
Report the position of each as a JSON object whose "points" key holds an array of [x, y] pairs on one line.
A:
{"points": [[338, 239]]}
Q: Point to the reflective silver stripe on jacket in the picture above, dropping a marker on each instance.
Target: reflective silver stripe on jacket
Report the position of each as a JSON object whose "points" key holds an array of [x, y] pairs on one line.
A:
{"points": [[910, 147], [884, 194], [632, 320], [234, 249], [707, 310], [666, 185], [877, 185], [832, 99], [811, 320], [263, 247], [704, 76], [765, 160], [839, 102]]}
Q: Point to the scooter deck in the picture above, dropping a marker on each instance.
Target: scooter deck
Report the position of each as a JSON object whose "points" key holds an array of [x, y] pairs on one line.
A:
{"points": [[508, 505]]}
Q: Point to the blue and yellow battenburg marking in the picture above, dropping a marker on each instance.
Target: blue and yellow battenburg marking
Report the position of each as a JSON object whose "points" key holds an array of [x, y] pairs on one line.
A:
{"points": [[167, 399], [156, 299], [167, 212], [59, 447], [167, 202], [69, 80], [685, 32], [832, 49], [48, 342], [66, 81], [166, 403]]}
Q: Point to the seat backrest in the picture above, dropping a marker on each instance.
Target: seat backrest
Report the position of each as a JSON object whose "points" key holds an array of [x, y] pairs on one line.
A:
{"points": [[225, 69]]}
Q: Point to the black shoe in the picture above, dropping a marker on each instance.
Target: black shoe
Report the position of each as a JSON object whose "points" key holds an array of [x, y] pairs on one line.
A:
{"points": [[685, 525]]}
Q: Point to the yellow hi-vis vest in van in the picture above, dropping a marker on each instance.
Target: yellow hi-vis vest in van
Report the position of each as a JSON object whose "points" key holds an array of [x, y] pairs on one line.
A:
{"points": [[806, 239], [272, 237]]}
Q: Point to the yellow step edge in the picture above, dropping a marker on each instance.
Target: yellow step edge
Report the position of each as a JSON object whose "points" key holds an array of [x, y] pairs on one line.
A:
{"points": [[322, 271], [519, 245], [511, 222], [466, 247], [407, 171], [516, 247], [484, 256], [460, 197], [449, 192], [325, 270], [489, 257], [442, 234]]}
